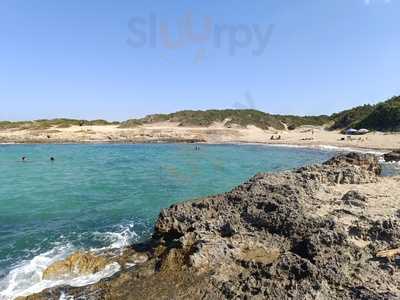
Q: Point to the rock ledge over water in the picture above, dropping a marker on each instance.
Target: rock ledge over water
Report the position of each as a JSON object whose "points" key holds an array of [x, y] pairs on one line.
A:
{"points": [[329, 231]]}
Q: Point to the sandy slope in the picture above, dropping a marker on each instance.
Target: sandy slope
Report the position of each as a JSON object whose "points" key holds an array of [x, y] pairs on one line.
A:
{"points": [[216, 133]]}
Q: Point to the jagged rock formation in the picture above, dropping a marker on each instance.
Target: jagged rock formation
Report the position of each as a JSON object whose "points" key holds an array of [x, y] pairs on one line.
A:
{"points": [[300, 234]]}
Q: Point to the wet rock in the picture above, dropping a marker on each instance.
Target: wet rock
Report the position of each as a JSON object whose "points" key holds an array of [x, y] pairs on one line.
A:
{"points": [[85, 263], [392, 156], [78, 264]]}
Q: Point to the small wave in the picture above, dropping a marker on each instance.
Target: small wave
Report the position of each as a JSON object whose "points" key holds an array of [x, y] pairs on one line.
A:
{"points": [[36, 285], [26, 277], [65, 297], [320, 147], [349, 149], [124, 236]]}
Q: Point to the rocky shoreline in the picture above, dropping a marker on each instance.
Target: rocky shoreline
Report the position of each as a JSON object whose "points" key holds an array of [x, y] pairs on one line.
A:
{"points": [[327, 231]]}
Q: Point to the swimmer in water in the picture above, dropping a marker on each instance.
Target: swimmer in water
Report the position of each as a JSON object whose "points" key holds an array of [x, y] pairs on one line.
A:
{"points": [[52, 158], [23, 158]]}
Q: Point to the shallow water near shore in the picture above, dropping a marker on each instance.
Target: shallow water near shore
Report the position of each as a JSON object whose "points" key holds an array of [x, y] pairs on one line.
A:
{"points": [[107, 196]]}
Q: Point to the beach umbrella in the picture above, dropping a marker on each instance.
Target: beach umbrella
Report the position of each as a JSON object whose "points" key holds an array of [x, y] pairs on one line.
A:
{"points": [[363, 131], [351, 131]]}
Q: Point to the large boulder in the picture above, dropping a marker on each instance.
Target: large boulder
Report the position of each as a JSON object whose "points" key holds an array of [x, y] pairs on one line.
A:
{"points": [[366, 161], [392, 156], [85, 263], [77, 264]]}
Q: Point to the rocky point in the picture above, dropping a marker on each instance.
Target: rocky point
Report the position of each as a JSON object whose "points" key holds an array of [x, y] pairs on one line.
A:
{"points": [[327, 231]]}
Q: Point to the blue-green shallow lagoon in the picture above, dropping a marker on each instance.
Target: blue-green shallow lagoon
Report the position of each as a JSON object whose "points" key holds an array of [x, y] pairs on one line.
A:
{"points": [[95, 196]]}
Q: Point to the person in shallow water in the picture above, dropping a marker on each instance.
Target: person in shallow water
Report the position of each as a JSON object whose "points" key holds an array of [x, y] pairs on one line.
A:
{"points": [[52, 158], [23, 158]]}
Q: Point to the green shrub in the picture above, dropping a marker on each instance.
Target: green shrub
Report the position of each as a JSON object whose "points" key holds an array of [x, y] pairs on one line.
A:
{"points": [[384, 117], [348, 118], [132, 123]]}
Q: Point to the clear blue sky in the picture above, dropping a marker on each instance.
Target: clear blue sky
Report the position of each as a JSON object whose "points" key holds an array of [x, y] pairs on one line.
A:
{"points": [[75, 58]]}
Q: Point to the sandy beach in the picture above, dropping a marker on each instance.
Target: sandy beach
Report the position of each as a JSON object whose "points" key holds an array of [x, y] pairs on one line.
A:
{"points": [[217, 133]]}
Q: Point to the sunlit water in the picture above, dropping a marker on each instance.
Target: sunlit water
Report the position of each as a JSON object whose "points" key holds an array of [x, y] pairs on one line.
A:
{"points": [[96, 196]]}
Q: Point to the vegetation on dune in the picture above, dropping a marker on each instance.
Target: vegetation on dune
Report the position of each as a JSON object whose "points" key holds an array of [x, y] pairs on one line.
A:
{"points": [[241, 117], [132, 123], [252, 117], [348, 118], [244, 117], [384, 117], [9, 125], [293, 122], [46, 124]]}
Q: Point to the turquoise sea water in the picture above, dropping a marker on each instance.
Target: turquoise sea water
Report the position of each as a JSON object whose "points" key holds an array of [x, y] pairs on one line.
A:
{"points": [[95, 196]]}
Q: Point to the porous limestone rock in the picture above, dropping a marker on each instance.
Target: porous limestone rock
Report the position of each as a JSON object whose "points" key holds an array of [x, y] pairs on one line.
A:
{"points": [[78, 264], [277, 236]]}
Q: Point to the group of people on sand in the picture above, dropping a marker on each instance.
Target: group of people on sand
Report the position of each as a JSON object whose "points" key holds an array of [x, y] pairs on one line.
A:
{"points": [[352, 139], [278, 138], [24, 158]]}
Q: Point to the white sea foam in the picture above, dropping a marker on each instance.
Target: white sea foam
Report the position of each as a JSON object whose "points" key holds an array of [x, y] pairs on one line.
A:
{"points": [[124, 236], [28, 274], [26, 278], [26, 285], [121, 238], [65, 297], [329, 148], [349, 149], [394, 163]]}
